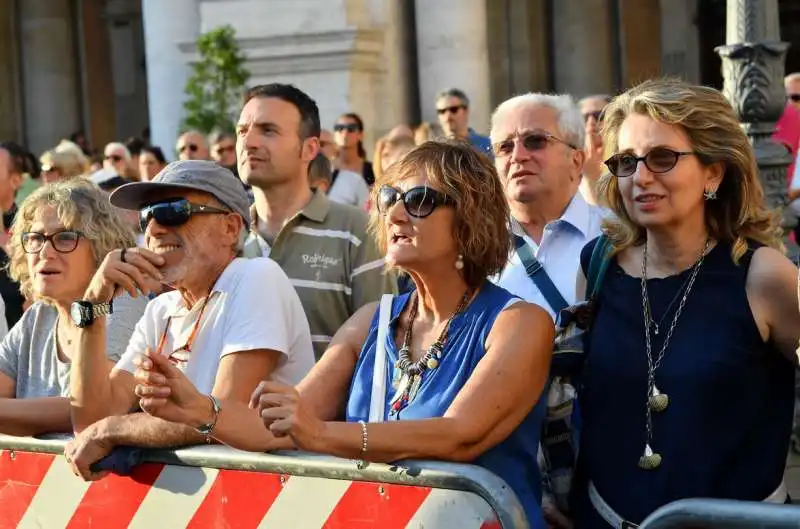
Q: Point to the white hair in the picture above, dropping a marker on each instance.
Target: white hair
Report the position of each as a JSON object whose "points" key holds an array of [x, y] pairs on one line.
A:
{"points": [[116, 146], [791, 78], [570, 121]]}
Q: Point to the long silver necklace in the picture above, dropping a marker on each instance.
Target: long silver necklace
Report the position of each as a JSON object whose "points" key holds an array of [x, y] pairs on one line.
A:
{"points": [[656, 400], [411, 371]]}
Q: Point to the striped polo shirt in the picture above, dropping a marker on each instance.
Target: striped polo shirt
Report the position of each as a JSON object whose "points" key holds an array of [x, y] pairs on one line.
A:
{"points": [[330, 259]]}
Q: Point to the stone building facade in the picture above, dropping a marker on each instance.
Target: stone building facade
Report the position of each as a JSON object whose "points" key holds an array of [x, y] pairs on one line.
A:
{"points": [[112, 67]]}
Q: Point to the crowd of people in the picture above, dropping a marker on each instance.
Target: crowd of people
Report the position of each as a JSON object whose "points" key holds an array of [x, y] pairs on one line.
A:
{"points": [[275, 288]]}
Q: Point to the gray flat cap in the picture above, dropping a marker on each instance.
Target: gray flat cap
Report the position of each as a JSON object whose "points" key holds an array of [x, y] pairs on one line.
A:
{"points": [[193, 175]]}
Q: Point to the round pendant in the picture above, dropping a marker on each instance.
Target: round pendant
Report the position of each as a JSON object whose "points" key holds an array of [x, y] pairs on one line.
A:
{"points": [[650, 460], [432, 363], [658, 401]]}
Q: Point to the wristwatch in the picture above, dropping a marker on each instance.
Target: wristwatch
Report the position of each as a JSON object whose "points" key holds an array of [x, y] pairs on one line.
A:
{"points": [[208, 428], [84, 312]]}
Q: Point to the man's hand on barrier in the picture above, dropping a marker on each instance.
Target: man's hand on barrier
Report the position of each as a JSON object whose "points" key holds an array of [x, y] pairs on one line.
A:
{"points": [[166, 393], [283, 412], [88, 447], [131, 269]]}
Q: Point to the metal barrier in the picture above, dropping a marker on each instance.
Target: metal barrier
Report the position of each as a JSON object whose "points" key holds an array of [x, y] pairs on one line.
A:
{"points": [[723, 514], [215, 486]]}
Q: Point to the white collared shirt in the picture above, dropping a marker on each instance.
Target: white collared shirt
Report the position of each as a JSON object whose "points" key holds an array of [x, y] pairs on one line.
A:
{"points": [[252, 306], [559, 253]]}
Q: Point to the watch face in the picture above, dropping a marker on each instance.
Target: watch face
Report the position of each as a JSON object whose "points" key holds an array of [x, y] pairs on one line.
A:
{"points": [[79, 313]]}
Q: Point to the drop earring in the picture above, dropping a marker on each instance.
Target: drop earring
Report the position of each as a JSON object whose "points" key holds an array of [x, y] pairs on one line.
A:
{"points": [[710, 195], [460, 262]]}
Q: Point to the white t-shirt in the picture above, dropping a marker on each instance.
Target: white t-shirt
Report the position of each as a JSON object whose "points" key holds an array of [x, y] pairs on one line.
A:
{"points": [[252, 306], [349, 188]]}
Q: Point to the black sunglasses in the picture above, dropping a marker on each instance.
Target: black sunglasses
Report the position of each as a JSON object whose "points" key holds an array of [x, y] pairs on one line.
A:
{"points": [[114, 158], [596, 115], [659, 160], [64, 241], [174, 212], [349, 127], [453, 109], [419, 201], [191, 146], [535, 141], [795, 98]]}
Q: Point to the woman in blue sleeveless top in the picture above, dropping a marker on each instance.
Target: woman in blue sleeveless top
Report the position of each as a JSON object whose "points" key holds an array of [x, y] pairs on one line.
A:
{"points": [[464, 362], [688, 387]]}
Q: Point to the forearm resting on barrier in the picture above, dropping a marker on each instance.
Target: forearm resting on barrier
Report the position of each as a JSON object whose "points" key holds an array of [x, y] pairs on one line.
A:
{"points": [[437, 438], [26, 417], [239, 426], [144, 431], [95, 394]]}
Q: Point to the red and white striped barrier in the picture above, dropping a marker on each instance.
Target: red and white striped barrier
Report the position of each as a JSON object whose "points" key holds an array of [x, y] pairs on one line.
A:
{"points": [[38, 490]]}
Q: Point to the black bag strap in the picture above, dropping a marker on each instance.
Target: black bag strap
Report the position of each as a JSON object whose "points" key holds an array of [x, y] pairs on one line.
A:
{"points": [[539, 276], [598, 265]]}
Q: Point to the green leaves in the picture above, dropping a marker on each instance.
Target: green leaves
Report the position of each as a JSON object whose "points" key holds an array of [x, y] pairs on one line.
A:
{"points": [[216, 85]]}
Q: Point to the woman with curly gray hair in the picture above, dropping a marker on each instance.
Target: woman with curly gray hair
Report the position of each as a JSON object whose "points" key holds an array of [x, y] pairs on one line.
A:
{"points": [[59, 237]]}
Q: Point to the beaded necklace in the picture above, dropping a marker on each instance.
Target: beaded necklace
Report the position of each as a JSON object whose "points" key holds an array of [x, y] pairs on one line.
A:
{"points": [[411, 372]]}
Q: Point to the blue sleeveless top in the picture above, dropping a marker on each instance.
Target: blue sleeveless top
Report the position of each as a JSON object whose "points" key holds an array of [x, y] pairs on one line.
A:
{"points": [[514, 459], [725, 433]]}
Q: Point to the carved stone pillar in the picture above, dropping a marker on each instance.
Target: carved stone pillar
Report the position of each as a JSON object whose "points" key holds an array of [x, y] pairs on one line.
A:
{"points": [[753, 69]]}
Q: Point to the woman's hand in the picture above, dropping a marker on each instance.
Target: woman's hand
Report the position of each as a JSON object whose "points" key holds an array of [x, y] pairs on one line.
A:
{"points": [[166, 393], [131, 269], [284, 413]]}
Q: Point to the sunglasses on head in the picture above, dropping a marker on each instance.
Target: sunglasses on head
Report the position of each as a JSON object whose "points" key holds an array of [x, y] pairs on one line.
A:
{"points": [[349, 127], [535, 141], [659, 160], [795, 98], [191, 146], [596, 115], [174, 212], [419, 201], [452, 110]]}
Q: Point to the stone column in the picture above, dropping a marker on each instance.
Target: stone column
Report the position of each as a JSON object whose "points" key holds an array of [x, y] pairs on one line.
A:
{"points": [[452, 51], [402, 51], [582, 53], [166, 25], [10, 116], [753, 69], [49, 72]]}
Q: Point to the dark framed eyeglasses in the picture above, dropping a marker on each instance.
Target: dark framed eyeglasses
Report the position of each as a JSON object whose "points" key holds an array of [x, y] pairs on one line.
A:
{"points": [[190, 146], [452, 110], [659, 160], [419, 201], [534, 141], [174, 212], [794, 98], [64, 241], [113, 157], [349, 127], [596, 115], [222, 149]]}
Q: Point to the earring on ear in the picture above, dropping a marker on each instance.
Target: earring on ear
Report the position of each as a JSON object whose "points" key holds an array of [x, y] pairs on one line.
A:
{"points": [[710, 195], [460, 262]]}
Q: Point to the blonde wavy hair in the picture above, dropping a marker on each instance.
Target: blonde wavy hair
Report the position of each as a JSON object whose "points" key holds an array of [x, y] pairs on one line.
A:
{"points": [[481, 229], [703, 113], [80, 206]]}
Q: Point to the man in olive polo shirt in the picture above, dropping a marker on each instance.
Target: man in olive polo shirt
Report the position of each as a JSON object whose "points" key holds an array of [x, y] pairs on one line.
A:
{"points": [[322, 246]]}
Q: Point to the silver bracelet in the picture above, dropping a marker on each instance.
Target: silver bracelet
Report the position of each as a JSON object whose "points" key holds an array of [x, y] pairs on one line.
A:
{"points": [[364, 440]]}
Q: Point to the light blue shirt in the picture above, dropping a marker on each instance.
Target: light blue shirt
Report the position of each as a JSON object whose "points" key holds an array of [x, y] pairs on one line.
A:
{"points": [[559, 253]]}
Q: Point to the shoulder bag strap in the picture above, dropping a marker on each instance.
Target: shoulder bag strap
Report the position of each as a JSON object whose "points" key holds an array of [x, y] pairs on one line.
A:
{"points": [[539, 276], [377, 401], [598, 264]]}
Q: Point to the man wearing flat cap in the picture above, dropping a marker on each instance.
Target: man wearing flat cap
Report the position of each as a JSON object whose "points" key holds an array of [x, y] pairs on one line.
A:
{"points": [[229, 323]]}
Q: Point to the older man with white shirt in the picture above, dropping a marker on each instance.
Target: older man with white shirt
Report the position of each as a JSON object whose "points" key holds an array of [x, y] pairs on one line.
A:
{"points": [[538, 141]]}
